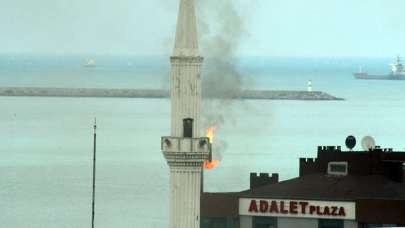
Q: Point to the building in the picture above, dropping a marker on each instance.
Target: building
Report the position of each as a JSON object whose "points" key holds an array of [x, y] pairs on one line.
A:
{"points": [[184, 150], [350, 189]]}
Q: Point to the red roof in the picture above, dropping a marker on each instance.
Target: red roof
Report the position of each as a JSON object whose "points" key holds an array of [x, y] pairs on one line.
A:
{"points": [[325, 187]]}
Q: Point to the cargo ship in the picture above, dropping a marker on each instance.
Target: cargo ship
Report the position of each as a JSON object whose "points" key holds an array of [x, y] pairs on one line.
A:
{"points": [[397, 73]]}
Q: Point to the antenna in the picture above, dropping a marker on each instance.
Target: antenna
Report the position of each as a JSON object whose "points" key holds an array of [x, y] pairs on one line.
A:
{"points": [[368, 143], [350, 142], [94, 172]]}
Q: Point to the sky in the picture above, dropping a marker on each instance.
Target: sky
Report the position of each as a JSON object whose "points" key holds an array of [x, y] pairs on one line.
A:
{"points": [[147, 27]]}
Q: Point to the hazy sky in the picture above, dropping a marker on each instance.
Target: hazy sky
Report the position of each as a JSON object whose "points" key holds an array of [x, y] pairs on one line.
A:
{"points": [[146, 27]]}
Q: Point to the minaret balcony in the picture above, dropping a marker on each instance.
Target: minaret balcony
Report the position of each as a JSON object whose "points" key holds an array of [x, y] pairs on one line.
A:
{"points": [[190, 152]]}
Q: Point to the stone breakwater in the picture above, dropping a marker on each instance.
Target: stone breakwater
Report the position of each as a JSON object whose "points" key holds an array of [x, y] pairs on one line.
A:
{"points": [[287, 95], [156, 93]]}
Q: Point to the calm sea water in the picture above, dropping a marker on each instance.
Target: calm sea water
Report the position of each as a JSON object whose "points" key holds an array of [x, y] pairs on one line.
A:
{"points": [[46, 143]]}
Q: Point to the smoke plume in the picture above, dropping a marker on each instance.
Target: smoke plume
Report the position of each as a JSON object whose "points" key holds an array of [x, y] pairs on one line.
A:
{"points": [[221, 29]]}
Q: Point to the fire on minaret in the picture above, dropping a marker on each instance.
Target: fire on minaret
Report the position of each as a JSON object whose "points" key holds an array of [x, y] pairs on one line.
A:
{"points": [[185, 151]]}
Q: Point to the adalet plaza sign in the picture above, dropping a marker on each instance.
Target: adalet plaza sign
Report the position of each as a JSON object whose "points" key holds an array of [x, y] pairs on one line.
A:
{"points": [[297, 208]]}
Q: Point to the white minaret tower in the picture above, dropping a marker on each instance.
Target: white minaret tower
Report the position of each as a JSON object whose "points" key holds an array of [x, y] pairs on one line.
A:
{"points": [[184, 150]]}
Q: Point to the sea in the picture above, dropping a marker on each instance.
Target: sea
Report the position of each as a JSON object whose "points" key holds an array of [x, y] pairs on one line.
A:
{"points": [[46, 143]]}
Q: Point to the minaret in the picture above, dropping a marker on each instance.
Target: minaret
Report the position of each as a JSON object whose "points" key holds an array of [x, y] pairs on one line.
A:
{"points": [[184, 150]]}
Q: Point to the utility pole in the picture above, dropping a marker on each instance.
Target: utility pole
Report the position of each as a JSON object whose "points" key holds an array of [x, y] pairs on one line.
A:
{"points": [[94, 173]]}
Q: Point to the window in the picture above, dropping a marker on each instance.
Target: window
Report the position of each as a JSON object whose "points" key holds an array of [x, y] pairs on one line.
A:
{"points": [[330, 223], [264, 222], [188, 128], [214, 222], [337, 168], [341, 168], [365, 225]]}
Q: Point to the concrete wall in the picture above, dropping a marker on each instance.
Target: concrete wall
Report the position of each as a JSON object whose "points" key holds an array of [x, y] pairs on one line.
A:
{"points": [[297, 222]]}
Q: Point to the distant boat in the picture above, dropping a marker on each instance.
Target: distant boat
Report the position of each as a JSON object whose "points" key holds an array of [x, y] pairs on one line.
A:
{"points": [[90, 63], [397, 73]]}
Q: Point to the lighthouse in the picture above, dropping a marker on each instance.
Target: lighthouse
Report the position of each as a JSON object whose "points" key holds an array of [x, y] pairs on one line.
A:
{"points": [[184, 150], [309, 84]]}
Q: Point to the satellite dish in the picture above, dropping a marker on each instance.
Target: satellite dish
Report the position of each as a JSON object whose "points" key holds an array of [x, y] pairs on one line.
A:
{"points": [[350, 142], [368, 143]]}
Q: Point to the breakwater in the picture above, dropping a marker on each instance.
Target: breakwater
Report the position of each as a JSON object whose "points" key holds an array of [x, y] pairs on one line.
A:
{"points": [[156, 93]]}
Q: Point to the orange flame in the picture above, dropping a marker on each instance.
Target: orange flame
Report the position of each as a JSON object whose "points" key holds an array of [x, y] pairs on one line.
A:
{"points": [[210, 164], [209, 133]]}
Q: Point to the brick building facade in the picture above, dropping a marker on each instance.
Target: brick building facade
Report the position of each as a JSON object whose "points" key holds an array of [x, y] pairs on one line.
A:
{"points": [[338, 189]]}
